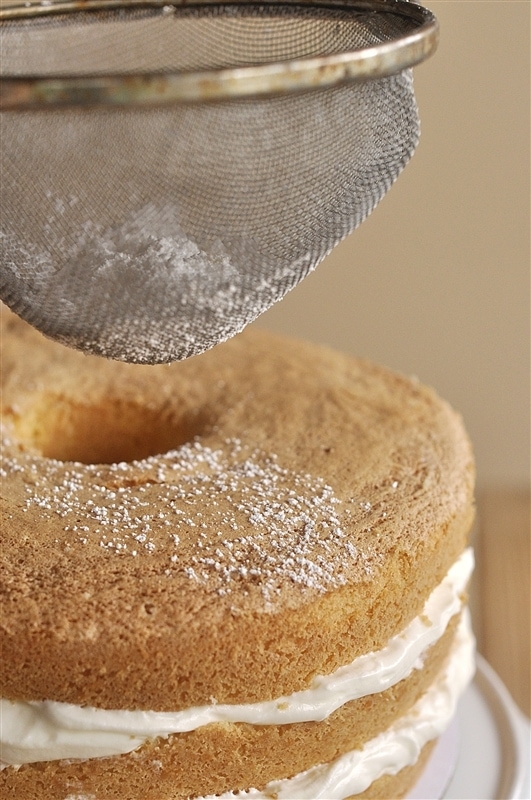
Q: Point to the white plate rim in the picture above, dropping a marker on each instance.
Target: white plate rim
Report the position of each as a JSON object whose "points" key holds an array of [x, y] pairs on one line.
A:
{"points": [[509, 725]]}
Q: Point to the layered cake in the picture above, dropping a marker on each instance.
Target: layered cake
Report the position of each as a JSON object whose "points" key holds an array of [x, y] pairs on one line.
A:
{"points": [[241, 575]]}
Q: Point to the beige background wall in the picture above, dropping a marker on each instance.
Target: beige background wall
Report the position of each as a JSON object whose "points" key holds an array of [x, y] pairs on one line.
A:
{"points": [[436, 282]]}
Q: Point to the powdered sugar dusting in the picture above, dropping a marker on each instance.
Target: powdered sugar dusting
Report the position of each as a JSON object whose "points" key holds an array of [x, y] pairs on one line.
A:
{"points": [[141, 290], [81, 797], [226, 518]]}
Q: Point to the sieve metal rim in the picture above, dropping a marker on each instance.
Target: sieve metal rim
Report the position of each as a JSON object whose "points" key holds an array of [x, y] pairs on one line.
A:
{"points": [[155, 89]]}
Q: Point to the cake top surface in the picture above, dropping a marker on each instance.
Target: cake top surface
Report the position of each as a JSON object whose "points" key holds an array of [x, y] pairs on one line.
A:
{"points": [[262, 472], [227, 526]]}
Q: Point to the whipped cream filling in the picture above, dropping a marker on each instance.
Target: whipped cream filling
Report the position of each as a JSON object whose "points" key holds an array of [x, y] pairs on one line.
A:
{"points": [[48, 730], [389, 752]]}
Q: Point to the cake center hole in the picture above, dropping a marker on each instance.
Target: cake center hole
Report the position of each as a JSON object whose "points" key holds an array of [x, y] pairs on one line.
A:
{"points": [[105, 433]]}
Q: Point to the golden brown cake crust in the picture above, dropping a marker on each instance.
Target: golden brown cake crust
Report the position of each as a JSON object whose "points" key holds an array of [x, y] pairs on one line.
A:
{"points": [[307, 506]]}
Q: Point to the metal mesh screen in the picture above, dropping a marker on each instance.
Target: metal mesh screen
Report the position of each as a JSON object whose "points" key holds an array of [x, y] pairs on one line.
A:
{"points": [[151, 234]]}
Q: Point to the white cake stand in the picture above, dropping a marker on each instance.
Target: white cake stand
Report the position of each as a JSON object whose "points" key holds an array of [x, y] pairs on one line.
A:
{"points": [[485, 754]]}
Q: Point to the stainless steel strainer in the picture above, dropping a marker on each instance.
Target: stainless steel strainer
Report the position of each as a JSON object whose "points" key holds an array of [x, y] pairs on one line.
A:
{"points": [[171, 170]]}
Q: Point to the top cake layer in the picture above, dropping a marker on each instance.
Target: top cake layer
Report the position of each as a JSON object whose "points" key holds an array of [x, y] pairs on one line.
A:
{"points": [[225, 527]]}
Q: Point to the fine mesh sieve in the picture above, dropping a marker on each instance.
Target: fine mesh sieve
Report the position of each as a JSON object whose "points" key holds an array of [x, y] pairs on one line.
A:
{"points": [[171, 171]]}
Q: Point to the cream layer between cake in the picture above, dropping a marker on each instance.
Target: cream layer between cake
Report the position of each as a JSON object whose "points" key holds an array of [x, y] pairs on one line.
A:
{"points": [[45, 731], [391, 751]]}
